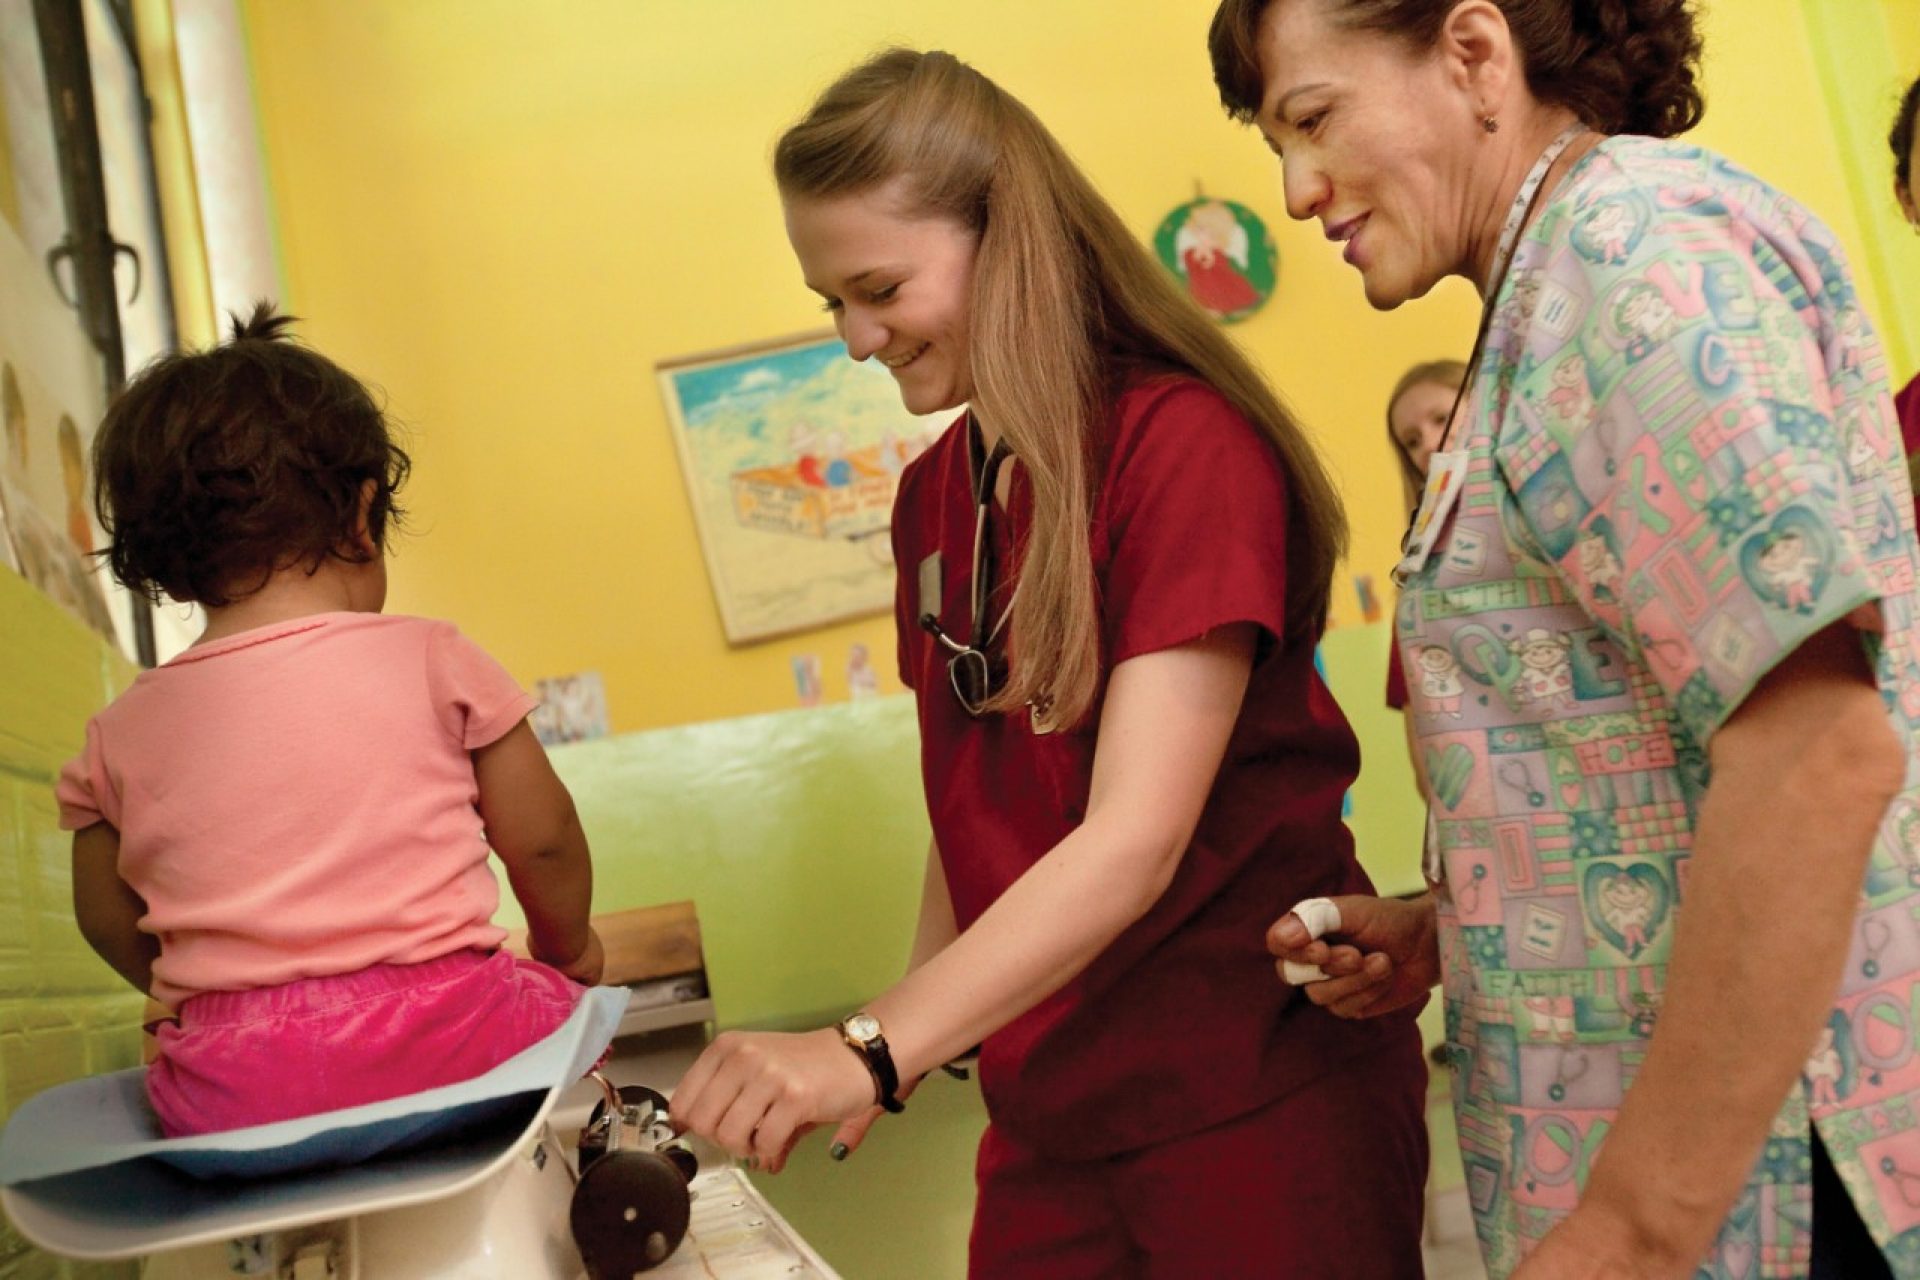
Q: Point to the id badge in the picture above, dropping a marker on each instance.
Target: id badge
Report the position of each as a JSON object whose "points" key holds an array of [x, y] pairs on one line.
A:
{"points": [[1446, 476], [931, 600]]}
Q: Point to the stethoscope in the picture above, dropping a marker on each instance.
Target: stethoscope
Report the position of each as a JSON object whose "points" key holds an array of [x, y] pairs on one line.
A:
{"points": [[1525, 199], [1523, 785]]}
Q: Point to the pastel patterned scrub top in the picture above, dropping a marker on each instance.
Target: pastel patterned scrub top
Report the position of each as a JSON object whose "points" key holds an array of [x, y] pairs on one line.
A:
{"points": [[1681, 462]]}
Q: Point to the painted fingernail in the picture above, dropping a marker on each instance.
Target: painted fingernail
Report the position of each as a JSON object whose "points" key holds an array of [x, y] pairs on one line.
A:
{"points": [[838, 1151]]}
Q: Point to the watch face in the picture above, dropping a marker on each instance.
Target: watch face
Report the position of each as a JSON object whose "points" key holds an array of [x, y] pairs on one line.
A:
{"points": [[863, 1027]]}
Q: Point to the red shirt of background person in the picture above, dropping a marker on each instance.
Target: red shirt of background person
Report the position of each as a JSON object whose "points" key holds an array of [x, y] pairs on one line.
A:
{"points": [[1154, 762], [1906, 160]]}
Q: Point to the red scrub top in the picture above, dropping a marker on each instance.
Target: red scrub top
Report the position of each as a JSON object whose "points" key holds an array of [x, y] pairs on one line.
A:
{"points": [[1181, 1023], [1907, 404], [1396, 679]]}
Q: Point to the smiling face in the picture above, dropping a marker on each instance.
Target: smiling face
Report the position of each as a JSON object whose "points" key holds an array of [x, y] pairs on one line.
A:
{"points": [[1376, 141], [899, 287], [1419, 420]]}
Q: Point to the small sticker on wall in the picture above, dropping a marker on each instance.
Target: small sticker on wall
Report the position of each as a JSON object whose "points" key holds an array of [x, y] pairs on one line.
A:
{"points": [[863, 681], [572, 708], [1369, 602], [806, 678], [1223, 253]]}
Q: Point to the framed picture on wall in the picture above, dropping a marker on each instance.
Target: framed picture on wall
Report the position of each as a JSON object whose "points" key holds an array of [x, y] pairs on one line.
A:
{"points": [[792, 454]]}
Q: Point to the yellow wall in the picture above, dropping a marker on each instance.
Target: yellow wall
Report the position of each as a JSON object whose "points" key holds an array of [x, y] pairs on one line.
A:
{"points": [[506, 214], [1867, 55]]}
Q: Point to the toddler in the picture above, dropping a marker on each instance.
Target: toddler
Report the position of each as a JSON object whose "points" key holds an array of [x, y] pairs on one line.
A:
{"points": [[282, 834]]}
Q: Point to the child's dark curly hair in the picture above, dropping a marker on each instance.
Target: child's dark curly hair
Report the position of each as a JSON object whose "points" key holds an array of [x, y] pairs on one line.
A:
{"points": [[214, 469]]}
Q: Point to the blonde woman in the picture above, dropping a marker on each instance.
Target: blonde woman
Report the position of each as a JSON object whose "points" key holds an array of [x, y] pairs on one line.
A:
{"points": [[1113, 571]]}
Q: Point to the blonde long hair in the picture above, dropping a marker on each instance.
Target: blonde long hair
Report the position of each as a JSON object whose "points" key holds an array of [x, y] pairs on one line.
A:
{"points": [[1062, 292]]}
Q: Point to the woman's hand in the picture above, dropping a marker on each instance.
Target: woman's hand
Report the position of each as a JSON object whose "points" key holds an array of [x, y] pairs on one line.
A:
{"points": [[1388, 956], [756, 1093]]}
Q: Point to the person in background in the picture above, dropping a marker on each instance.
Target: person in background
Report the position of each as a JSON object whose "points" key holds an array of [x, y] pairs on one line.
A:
{"points": [[1672, 557], [282, 833], [1113, 571], [1905, 142], [1417, 413]]}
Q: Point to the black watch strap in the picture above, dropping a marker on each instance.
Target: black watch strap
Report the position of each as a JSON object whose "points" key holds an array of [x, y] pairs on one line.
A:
{"points": [[873, 1051]]}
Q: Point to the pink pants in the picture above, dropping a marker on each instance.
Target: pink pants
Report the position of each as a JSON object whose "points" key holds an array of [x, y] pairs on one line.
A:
{"points": [[240, 1058]]}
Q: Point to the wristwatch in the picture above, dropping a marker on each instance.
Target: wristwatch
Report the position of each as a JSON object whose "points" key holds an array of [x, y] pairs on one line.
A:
{"points": [[863, 1036]]}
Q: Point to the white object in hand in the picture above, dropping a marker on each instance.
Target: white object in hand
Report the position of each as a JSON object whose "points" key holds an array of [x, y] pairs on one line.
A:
{"points": [[1321, 917]]}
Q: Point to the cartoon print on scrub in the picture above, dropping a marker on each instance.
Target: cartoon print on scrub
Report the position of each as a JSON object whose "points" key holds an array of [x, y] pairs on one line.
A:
{"points": [[1609, 231], [1672, 482], [1823, 1070], [1440, 679], [1600, 565], [1546, 670], [1644, 317], [1629, 904], [1787, 563], [1570, 400]]}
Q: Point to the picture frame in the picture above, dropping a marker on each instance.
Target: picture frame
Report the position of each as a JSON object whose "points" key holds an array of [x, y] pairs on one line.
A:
{"points": [[791, 453]]}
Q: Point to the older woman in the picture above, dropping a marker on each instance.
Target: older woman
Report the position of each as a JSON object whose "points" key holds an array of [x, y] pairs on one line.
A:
{"points": [[1670, 547]]}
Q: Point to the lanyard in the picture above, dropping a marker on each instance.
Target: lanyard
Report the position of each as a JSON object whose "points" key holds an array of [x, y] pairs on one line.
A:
{"points": [[1524, 200]]}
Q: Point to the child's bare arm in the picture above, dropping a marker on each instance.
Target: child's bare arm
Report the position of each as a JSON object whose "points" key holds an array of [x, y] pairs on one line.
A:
{"points": [[532, 825], [108, 909]]}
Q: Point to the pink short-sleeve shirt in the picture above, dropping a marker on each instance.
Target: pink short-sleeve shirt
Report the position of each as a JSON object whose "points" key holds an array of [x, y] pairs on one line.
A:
{"points": [[298, 800]]}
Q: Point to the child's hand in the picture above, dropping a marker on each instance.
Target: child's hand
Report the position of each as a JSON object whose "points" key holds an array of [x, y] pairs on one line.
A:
{"points": [[587, 967]]}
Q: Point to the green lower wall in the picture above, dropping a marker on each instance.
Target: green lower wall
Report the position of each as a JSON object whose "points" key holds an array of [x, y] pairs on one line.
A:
{"points": [[801, 835], [63, 1013]]}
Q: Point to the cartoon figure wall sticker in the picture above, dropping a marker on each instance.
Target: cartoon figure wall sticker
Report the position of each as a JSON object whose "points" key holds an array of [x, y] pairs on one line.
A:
{"points": [[573, 708], [1223, 253], [53, 552], [863, 680]]}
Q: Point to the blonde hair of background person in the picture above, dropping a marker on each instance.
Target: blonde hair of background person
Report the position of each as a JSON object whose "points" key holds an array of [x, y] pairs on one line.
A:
{"points": [[1414, 427], [1417, 413]]}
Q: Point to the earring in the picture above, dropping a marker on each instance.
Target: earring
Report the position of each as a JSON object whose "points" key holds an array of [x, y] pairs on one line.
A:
{"points": [[1489, 124]]}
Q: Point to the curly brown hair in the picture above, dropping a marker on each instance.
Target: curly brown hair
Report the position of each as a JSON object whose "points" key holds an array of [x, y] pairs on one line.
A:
{"points": [[1622, 66], [214, 469], [1900, 138]]}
